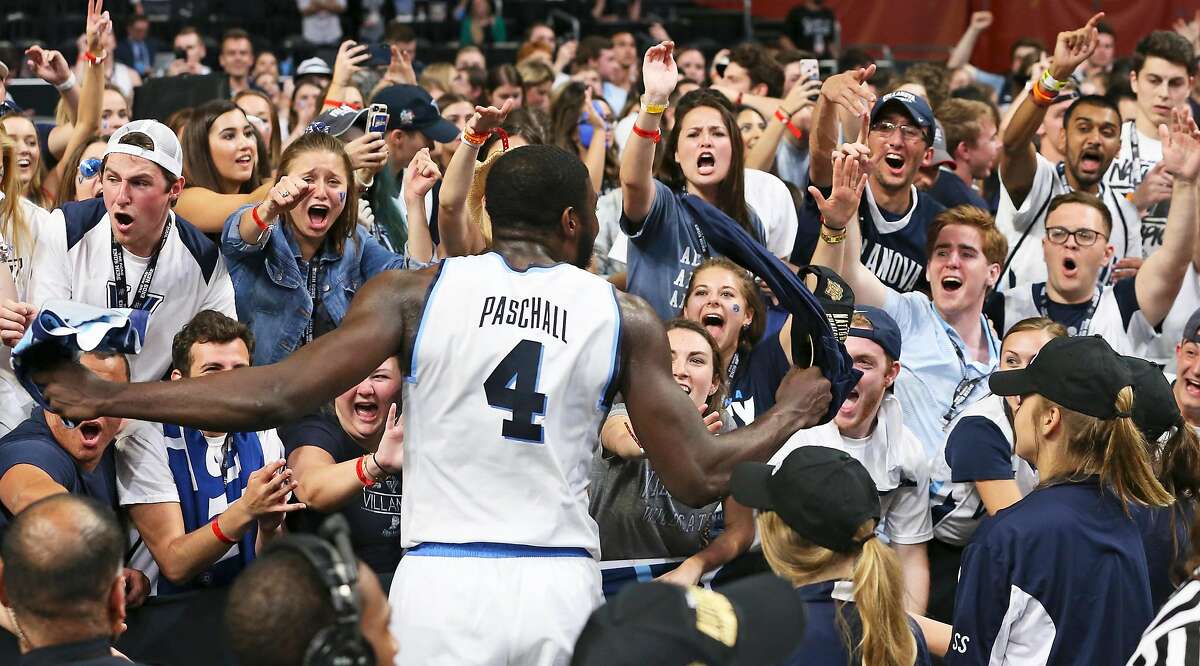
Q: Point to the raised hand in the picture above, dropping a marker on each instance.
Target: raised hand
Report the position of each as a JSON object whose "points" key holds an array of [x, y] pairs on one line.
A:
{"points": [[98, 25], [390, 454], [804, 395], [286, 195], [1181, 147], [1073, 47], [266, 496], [368, 152], [848, 184], [400, 70], [420, 176], [350, 56], [659, 72], [589, 111], [981, 21], [712, 420], [50, 66], [15, 317], [848, 90], [803, 94], [1155, 186], [488, 118]]}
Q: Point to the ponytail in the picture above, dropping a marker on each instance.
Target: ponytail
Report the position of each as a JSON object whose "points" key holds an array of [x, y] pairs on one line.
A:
{"points": [[1125, 466], [879, 594], [887, 639]]}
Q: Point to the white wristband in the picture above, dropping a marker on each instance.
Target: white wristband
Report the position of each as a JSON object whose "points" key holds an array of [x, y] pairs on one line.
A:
{"points": [[68, 84]]}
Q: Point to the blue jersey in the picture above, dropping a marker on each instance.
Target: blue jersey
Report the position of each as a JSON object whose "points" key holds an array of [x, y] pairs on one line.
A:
{"points": [[824, 643], [893, 245], [1166, 536], [950, 191], [1057, 578], [757, 374]]}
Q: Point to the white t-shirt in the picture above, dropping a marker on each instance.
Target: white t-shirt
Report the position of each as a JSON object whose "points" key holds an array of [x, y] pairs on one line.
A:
{"points": [[1117, 317], [1139, 153], [1161, 349], [896, 461], [15, 403], [74, 262], [144, 476], [765, 194], [1026, 226], [323, 27]]}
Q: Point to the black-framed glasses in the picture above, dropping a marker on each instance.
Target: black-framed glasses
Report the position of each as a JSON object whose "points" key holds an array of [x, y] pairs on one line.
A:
{"points": [[909, 132], [1083, 237]]}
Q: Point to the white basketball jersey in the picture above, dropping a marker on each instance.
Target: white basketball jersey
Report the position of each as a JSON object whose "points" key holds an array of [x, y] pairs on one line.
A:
{"points": [[512, 374]]}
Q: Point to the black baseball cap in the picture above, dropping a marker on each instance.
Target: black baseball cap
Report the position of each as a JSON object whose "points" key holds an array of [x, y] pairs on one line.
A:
{"points": [[1082, 373], [824, 494], [884, 330], [1154, 408], [1191, 330], [755, 621], [411, 108]]}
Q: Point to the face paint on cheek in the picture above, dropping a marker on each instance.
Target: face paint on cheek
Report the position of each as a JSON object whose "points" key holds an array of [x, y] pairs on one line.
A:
{"points": [[341, 197], [737, 308]]}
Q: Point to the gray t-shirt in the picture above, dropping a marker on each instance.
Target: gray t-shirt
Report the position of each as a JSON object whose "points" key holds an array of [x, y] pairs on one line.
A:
{"points": [[664, 250]]}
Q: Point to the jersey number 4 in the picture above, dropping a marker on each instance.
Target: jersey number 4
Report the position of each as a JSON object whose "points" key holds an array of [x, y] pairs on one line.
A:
{"points": [[512, 387]]}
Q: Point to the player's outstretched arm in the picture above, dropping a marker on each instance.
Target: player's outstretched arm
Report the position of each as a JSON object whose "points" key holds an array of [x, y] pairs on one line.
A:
{"points": [[263, 397], [693, 463]]}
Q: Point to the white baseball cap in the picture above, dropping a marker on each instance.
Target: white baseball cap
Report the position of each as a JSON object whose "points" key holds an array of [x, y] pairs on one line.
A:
{"points": [[167, 153], [313, 66]]}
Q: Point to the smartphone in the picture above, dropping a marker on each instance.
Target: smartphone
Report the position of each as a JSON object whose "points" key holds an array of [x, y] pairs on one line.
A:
{"points": [[181, 54], [810, 70], [381, 55], [377, 119]]}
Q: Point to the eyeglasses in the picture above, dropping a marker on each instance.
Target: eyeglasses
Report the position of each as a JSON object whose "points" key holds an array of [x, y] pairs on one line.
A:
{"points": [[89, 168], [909, 132], [1084, 237]]}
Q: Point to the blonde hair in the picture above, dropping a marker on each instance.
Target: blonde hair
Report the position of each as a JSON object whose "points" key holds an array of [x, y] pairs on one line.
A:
{"points": [[14, 227], [1114, 449], [887, 639]]}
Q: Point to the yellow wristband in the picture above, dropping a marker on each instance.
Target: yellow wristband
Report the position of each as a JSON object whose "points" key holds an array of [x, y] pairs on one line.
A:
{"points": [[653, 109]]}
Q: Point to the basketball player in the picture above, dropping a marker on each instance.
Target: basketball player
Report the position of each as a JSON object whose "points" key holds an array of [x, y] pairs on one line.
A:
{"points": [[510, 359]]}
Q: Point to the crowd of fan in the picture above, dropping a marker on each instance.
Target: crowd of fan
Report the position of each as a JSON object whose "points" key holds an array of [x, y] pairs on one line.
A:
{"points": [[965, 218]]}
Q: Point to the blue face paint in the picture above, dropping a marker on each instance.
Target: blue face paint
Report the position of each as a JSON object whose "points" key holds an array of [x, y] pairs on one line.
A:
{"points": [[342, 197], [737, 308]]}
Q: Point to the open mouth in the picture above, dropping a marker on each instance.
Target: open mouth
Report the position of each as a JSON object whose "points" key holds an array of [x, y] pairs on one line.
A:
{"points": [[851, 401], [89, 433], [365, 410], [1192, 387], [123, 220], [706, 163], [686, 389], [713, 322], [1069, 266], [24, 162], [894, 161], [246, 160], [951, 284], [1090, 160], [318, 215]]}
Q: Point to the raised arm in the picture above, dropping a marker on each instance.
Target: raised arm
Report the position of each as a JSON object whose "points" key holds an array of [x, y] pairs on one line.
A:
{"points": [[1018, 159], [381, 322], [420, 176], [458, 235], [1161, 276], [597, 149], [350, 55], [659, 74], [799, 100], [284, 196], [839, 214], [208, 210], [961, 55], [846, 90], [693, 463]]}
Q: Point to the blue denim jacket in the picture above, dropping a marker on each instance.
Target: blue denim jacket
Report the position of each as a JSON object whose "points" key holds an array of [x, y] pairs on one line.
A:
{"points": [[269, 283]]}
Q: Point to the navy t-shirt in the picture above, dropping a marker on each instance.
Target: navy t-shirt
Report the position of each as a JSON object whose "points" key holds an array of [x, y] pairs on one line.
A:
{"points": [[32, 443], [759, 373], [1166, 536], [950, 191], [374, 515], [1057, 578], [824, 643], [897, 256]]}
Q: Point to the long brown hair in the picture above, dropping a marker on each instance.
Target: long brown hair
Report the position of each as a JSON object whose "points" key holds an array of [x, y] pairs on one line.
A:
{"points": [[343, 227], [267, 162], [35, 193], [14, 226], [1114, 449], [731, 193], [717, 399], [887, 639], [198, 167], [755, 307], [564, 123]]}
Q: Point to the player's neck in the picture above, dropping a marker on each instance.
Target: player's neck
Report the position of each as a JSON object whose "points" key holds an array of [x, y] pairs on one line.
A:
{"points": [[896, 201], [1070, 296], [520, 253]]}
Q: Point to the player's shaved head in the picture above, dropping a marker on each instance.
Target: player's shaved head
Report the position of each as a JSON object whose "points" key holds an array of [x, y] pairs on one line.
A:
{"points": [[531, 186], [61, 556]]}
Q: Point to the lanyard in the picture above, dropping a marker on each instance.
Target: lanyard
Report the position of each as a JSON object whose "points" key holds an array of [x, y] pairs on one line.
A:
{"points": [[1135, 175], [965, 387], [143, 289], [733, 367], [1041, 300], [314, 276]]}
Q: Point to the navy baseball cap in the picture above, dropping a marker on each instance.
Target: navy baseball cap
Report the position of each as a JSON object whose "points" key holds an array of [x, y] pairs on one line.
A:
{"points": [[884, 331], [335, 122], [1083, 374], [1191, 330], [912, 105], [411, 108], [824, 494], [756, 620]]}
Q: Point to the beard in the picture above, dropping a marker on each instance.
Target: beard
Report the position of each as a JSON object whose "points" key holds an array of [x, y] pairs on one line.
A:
{"points": [[583, 250]]}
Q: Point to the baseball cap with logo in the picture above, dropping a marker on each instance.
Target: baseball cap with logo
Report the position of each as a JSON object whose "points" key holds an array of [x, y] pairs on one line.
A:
{"points": [[824, 494], [884, 331], [1082, 373], [335, 122], [940, 155], [914, 106], [165, 150], [411, 108], [756, 620]]}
